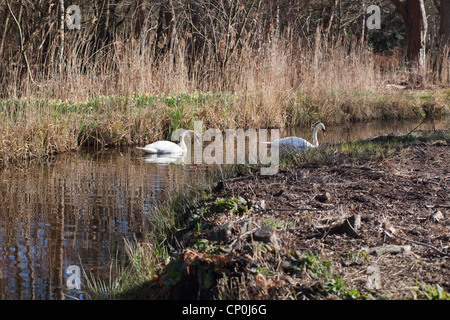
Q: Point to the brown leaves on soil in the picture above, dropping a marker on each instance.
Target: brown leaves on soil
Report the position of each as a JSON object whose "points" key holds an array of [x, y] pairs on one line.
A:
{"points": [[334, 211]]}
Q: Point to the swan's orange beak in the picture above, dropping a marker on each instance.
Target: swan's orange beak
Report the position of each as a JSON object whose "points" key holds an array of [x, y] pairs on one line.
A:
{"points": [[323, 132]]}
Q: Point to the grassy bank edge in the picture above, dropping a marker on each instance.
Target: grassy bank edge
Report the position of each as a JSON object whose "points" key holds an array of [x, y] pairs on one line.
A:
{"points": [[142, 262], [34, 129]]}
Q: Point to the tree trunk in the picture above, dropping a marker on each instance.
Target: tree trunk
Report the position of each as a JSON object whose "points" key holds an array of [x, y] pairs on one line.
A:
{"points": [[5, 30], [173, 33], [140, 22], [444, 28], [106, 24], [415, 20], [362, 21], [328, 16]]}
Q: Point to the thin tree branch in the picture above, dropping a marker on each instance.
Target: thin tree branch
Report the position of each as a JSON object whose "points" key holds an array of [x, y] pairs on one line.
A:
{"points": [[418, 243], [22, 50]]}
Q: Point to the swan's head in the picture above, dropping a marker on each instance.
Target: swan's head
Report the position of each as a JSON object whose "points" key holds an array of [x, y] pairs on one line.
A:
{"points": [[320, 126]]}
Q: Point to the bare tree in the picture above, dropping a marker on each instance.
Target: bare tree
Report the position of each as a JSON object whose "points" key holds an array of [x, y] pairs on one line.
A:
{"points": [[21, 39], [415, 20], [443, 7], [328, 16], [5, 30]]}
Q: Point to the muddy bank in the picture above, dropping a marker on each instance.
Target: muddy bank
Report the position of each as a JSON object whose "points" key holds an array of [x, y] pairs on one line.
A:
{"points": [[364, 230]]}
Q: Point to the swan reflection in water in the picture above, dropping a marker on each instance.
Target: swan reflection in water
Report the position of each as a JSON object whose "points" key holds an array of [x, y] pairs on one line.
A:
{"points": [[164, 158]]}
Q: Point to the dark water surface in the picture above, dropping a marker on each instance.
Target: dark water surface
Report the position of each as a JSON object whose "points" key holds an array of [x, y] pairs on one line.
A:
{"points": [[76, 211], [79, 209], [359, 131]]}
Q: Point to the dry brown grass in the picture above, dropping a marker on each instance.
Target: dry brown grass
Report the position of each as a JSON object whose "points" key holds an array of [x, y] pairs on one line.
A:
{"points": [[277, 68]]}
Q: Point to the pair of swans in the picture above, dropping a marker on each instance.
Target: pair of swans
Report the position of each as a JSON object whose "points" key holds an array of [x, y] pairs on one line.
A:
{"points": [[285, 144]]}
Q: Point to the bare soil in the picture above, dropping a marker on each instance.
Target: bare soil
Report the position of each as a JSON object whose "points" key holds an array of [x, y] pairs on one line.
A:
{"points": [[399, 205]]}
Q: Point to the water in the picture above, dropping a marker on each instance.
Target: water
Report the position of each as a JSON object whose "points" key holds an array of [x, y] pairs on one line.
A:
{"points": [[359, 131], [79, 209], [76, 211]]}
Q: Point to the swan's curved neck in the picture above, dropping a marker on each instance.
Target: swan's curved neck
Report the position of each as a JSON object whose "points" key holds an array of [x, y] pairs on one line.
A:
{"points": [[315, 141], [182, 143]]}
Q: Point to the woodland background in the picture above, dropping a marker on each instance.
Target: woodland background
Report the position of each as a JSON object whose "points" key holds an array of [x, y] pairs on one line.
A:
{"points": [[221, 45]]}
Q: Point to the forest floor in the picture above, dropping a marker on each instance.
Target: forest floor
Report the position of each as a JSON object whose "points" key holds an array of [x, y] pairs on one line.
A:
{"points": [[370, 228]]}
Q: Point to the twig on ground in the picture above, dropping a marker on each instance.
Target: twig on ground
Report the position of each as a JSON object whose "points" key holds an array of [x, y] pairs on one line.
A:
{"points": [[417, 148], [364, 168], [357, 167], [437, 205], [296, 209], [417, 242], [387, 249]]}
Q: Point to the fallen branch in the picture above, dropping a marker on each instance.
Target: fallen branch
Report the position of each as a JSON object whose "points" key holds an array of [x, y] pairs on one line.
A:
{"points": [[418, 243], [421, 151], [437, 206], [363, 168], [357, 167], [296, 209], [387, 249]]}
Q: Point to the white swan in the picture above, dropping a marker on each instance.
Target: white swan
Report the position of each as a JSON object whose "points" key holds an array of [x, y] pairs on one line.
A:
{"points": [[167, 147], [298, 144]]}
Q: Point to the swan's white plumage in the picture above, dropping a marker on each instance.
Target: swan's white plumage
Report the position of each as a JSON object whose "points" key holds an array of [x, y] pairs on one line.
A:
{"points": [[167, 147], [162, 147], [295, 142], [298, 144]]}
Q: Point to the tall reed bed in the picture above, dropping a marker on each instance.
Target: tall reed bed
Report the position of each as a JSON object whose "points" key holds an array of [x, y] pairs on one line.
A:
{"points": [[277, 68]]}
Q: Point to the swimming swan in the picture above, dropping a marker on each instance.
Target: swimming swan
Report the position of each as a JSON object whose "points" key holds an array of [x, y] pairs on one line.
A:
{"points": [[296, 143], [167, 147]]}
